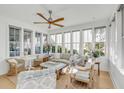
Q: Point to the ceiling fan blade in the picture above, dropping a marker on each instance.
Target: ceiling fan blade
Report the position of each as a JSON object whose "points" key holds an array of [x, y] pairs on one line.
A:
{"points": [[58, 25], [57, 20], [40, 22], [43, 17]]}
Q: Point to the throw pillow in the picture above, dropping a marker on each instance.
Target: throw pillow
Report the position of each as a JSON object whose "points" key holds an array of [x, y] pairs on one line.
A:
{"points": [[57, 55]]}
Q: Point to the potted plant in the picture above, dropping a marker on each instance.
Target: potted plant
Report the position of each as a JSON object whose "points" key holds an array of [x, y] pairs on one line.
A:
{"points": [[97, 53]]}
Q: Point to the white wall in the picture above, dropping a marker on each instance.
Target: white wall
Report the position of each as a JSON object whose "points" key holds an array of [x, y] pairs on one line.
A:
{"points": [[116, 68], [117, 76], [104, 22], [4, 37]]}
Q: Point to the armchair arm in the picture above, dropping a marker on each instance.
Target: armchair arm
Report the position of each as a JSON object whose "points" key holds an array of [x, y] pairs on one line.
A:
{"points": [[83, 68], [12, 62]]}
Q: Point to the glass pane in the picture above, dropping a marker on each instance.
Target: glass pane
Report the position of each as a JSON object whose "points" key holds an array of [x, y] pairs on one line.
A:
{"points": [[44, 38], [14, 45], [100, 34], [53, 48], [37, 43], [11, 45], [59, 38], [76, 36], [11, 31], [87, 34], [52, 38], [87, 47], [45, 41], [11, 38], [75, 48], [59, 48], [100, 49], [27, 43], [67, 37], [67, 48], [16, 38]]}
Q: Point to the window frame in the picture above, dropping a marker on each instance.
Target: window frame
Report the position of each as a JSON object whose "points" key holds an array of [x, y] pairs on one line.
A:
{"points": [[19, 28], [104, 42], [60, 44], [76, 43], [64, 43], [54, 43], [39, 41], [31, 42], [88, 41]]}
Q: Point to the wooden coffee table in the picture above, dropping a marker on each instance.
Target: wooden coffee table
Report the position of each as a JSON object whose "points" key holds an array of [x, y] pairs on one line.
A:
{"points": [[57, 66]]}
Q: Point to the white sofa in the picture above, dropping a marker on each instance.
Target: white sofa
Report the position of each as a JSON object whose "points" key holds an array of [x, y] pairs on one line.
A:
{"points": [[66, 58]]}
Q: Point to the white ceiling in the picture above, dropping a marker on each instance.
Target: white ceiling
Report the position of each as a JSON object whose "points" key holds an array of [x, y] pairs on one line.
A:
{"points": [[73, 13]]}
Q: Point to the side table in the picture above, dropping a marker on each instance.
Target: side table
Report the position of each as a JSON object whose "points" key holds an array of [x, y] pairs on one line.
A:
{"points": [[98, 63]]}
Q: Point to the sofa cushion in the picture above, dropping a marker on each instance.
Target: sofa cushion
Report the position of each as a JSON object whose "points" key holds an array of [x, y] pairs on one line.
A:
{"points": [[65, 56], [57, 55], [61, 60]]}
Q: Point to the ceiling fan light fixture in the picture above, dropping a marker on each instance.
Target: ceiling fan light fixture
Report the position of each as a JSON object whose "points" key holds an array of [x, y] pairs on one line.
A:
{"points": [[49, 21]]}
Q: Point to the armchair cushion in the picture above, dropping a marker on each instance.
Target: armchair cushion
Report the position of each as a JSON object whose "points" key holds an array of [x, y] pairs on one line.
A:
{"points": [[82, 75], [12, 61]]}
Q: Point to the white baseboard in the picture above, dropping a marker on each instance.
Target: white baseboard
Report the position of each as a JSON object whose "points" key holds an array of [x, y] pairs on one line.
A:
{"points": [[113, 81]]}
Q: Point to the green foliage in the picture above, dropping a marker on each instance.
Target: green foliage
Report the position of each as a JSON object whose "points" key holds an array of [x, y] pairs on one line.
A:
{"points": [[53, 49], [75, 51], [97, 53], [59, 49], [46, 49]]}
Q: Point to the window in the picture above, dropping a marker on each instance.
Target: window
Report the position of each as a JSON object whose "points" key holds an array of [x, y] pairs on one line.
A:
{"points": [[52, 39], [59, 43], [45, 39], [75, 41], [100, 38], [67, 42], [87, 45], [27, 42], [14, 41], [37, 43]]}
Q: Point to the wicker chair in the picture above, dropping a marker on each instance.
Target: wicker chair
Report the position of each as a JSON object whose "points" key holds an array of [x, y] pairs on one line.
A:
{"points": [[16, 65]]}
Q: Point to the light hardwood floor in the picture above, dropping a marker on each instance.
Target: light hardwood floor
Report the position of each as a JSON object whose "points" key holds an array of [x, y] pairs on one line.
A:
{"points": [[101, 82]]}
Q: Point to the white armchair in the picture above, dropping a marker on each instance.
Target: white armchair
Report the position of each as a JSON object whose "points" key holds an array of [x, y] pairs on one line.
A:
{"points": [[85, 74], [40, 79]]}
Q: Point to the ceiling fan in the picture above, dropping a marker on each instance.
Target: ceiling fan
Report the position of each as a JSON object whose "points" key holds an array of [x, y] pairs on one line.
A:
{"points": [[50, 21]]}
